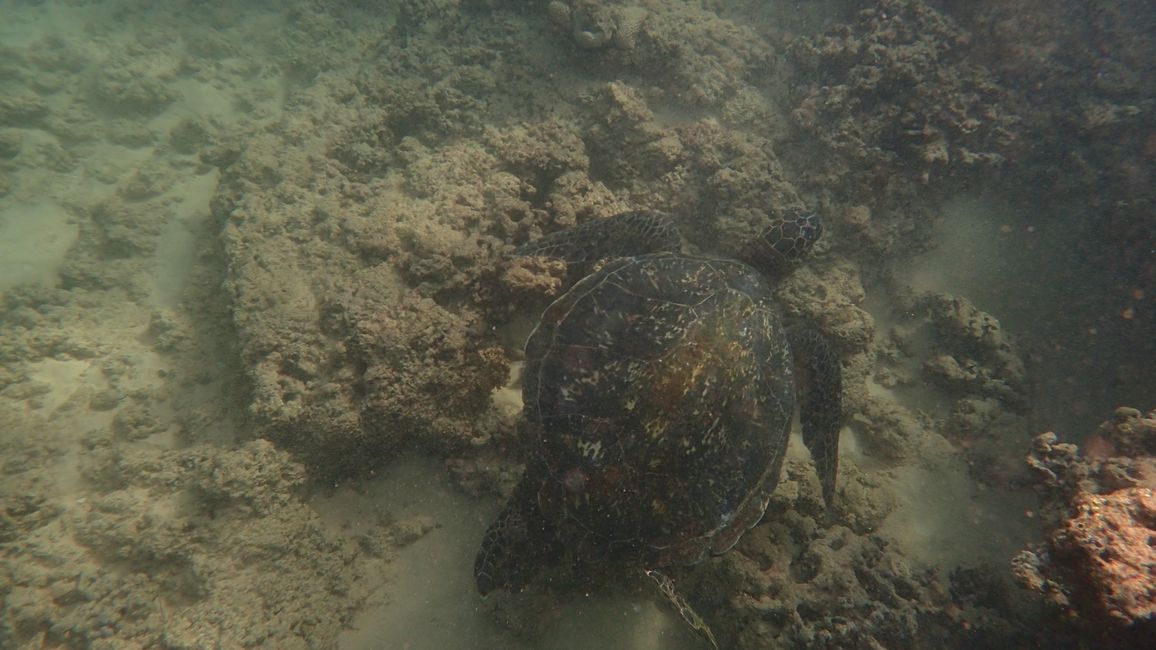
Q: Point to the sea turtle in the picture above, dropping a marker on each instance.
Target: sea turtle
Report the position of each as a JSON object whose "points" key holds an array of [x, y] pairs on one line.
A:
{"points": [[658, 395]]}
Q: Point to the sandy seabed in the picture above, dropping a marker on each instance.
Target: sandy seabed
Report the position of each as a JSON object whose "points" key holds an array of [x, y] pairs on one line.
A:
{"points": [[260, 327]]}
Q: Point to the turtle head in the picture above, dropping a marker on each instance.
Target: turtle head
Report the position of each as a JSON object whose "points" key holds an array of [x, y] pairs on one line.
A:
{"points": [[782, 244]]}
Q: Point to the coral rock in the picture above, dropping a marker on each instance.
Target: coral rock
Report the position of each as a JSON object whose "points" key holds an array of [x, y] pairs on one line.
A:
{"points": [[1107, 548]]}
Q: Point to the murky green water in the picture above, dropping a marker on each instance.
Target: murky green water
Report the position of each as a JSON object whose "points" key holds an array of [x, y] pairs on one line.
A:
{"points": [[261, 319]]}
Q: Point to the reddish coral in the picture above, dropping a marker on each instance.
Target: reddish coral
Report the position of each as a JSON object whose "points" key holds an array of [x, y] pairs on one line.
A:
{"points": [[1106, 547], [1098, 563]]}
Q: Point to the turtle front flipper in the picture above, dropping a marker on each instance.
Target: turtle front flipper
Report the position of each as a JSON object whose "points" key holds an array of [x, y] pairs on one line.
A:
{"points": [[623, 235], [516, 543], [819, 381]]}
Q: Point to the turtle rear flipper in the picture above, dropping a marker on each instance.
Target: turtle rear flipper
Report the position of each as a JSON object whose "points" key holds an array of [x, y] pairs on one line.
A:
{"points": [[623, 235], [819, 381], [666, 585], [515, 545]]}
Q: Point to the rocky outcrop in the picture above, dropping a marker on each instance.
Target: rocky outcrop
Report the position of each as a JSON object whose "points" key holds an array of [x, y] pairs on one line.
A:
{"points": [[1097, 565]]}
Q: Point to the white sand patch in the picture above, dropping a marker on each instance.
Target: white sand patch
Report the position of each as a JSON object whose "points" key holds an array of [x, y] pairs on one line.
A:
{"points": [[945, 520], [176, 252], [28, 25], [430, 599], [622, 623], [200, 99], [34, 239], [509, 397], [66, 377], [64, 409]]}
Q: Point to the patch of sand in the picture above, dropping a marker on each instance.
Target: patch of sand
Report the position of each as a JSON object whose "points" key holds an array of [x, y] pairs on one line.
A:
{"points": [[34, 239], [944, 520], [429, 599]]}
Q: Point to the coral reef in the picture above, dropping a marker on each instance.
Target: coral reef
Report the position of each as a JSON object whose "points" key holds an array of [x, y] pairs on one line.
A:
{"points": [[594, 24], [982, 360], [1107, 545], [798, 579], [781, 600], [978, 374], [172, 551], [386, 330], [176, 389], [1074, 71], [949, 118], [1097, 566]]}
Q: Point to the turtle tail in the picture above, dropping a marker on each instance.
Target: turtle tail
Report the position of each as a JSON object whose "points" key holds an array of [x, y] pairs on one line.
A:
{"points": [[819, 378], [515, 545]]}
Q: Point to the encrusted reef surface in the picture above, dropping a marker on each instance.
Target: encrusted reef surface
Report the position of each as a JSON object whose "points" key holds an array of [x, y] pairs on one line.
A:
{"points": [[1087, 164], [136, 510], [194, 373], [199, 533], [412, 180], [895, 89], [377, 306], [778, 587], [1097, 567]]}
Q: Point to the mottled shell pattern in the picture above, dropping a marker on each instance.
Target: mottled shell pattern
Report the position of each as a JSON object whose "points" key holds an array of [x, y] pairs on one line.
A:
{"points": [[659, 392]]}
